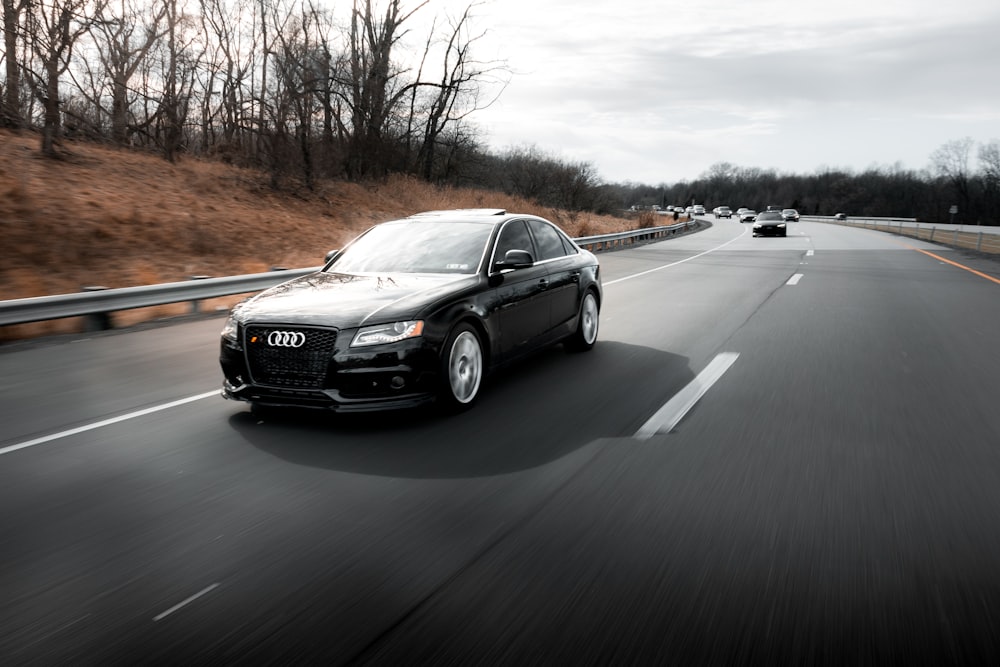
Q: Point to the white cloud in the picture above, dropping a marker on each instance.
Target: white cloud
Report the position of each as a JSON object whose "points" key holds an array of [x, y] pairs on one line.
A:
{"points": [[654, 92]]}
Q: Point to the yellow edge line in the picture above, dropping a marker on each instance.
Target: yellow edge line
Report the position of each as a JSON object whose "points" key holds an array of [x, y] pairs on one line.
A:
{"points": [[961, 266]]}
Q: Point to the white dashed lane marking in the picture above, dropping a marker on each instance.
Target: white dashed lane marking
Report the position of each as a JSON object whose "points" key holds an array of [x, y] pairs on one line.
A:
{"points": [[667, 417]]}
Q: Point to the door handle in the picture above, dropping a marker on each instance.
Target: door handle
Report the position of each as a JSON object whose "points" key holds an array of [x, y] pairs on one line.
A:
{"points": [[544, 283]]}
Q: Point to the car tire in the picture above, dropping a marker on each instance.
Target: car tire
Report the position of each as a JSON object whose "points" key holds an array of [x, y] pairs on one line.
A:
{"points": [[587, 326], [462, 368]]}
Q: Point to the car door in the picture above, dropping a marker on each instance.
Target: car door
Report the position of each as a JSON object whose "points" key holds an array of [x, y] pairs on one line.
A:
{"points": [[523, 305], [562, 265]]}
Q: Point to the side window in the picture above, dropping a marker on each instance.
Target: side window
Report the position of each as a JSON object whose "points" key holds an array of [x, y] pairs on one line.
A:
{"points": [[568, 246], [549, 241], [513, 236]]}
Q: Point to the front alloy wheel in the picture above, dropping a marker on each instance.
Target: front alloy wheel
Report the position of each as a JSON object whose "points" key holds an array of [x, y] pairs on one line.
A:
{"points": [[586, 329], [463, 367]]}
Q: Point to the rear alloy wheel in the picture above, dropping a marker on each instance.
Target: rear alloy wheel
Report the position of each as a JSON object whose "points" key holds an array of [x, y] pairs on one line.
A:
{"points": [[463, 367], [585, 335]]}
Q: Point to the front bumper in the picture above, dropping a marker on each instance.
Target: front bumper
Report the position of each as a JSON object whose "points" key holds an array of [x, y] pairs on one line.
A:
{"points": [[335, 377], [768, 230]]}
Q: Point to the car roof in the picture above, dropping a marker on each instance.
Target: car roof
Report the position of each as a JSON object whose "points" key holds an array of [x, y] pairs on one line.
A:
{"points": [[488, 216], [461, 213]]}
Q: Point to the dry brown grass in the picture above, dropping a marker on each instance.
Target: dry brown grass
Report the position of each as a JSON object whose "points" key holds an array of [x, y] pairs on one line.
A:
{"points": [[118, 218]]}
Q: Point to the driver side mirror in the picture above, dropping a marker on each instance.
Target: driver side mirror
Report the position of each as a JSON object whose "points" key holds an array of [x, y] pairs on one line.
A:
{"points": [[330, 255], [516, 259]]}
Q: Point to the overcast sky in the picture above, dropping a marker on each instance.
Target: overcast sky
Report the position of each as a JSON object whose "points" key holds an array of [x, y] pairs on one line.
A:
{"points": [[655, 91]]}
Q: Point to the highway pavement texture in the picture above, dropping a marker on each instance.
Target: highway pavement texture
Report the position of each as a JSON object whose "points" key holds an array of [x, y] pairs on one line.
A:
{"points": [[781, 450]]}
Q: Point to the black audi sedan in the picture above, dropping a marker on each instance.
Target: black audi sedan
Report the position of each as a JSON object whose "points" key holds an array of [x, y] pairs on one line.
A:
{"points": [[413, 311], [770, 223]]}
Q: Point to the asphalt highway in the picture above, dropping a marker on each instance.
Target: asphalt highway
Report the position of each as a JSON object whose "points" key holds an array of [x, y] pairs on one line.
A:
{"points": [[781, 451]]}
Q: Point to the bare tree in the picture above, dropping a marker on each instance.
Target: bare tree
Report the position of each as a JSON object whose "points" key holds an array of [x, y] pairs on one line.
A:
{"points": [[371, 92], [123, 42], [220, 24], [951, 162], [989, 161], [54, 28], [460, 80], [180, 64], [10, 106]]}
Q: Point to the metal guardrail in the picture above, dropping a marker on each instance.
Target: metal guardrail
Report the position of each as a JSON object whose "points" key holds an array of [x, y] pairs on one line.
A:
{"points": [[620, 239], [96, 303], [99, 301], [979, 239]]}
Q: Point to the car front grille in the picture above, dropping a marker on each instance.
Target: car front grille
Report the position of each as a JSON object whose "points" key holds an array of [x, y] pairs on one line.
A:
{"points": [[302, 367]]}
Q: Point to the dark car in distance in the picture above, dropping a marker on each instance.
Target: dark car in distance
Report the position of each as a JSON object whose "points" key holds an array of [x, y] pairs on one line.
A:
{"points": [[790, 215], [413, 311], [769, 223]]}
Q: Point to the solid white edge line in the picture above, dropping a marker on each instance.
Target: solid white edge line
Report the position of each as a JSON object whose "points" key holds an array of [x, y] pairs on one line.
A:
{"points": [[667, 266], [794, 280], [667, 417], [185, 602], [106, 422]]}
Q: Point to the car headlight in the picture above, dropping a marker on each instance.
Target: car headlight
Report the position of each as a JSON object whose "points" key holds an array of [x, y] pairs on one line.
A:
{"points": [[781, 224], [388, 333], [229, 328]]}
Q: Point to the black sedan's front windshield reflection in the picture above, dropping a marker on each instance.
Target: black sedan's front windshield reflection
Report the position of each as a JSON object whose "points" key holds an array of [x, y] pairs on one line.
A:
{"points": [[417, 247]]}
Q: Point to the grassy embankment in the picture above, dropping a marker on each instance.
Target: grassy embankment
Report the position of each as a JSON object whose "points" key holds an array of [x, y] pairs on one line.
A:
{"points": [[118, 218]]}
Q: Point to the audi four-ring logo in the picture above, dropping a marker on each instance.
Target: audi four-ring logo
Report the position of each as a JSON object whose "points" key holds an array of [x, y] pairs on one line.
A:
{"points": [[286, 339]]}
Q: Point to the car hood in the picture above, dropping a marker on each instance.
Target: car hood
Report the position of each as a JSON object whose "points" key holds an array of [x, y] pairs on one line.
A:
{"points": [[345, 300]]}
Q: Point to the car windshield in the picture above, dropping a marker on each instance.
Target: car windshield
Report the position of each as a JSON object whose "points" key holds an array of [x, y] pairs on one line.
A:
{"points": [[417, 247], [771, 215]]}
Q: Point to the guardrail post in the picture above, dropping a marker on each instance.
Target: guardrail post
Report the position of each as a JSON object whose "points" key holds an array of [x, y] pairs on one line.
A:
{"points": [[979, 242], [933, 227], [196, 304], [96, 321]]}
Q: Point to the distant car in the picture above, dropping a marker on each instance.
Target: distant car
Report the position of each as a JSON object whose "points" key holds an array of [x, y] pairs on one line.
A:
{"points": [[790, 215], [689, 210], [699, 209], [723, 212], [840, 216], [412, 311], [748, 215], [769, 223], [774, 208]]}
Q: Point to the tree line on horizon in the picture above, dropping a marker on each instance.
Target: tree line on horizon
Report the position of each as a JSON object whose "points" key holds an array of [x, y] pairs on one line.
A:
{"points": [[291, 88]]}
